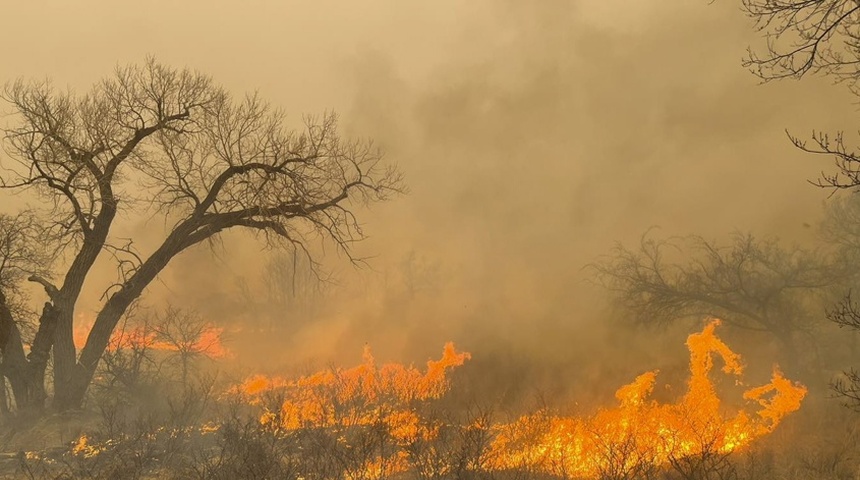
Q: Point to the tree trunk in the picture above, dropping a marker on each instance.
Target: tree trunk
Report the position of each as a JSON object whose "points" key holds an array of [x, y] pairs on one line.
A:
{"points": [[74, 389], [64, 353], [26, 374], [73, 378], [14, 365], [71, 392], [4, 395]]}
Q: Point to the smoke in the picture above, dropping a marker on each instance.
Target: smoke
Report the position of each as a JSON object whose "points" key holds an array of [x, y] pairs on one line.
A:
{"points": [[532, 135]]}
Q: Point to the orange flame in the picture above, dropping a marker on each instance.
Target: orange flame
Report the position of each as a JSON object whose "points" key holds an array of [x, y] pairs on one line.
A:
{"points": [[641, 431], [364, 395], [207, 343], [638, 433], [621, 442], [357, 395]]}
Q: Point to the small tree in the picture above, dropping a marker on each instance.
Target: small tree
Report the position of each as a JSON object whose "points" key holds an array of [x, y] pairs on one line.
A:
{"points": [[187, 337], [170, 141]]}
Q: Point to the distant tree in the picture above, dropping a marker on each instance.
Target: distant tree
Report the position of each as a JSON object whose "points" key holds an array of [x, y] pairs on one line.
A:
{"points": [[752, 284], [286, 294], [188, 337], [173, 145], [294, 287], [420, 273]]}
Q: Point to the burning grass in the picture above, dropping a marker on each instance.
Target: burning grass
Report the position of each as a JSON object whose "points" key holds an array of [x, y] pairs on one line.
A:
{"points": [[374, 422], [639, 433]]}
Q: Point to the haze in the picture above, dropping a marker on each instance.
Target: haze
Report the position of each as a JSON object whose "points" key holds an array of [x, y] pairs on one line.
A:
{"points": [[533, 135]]}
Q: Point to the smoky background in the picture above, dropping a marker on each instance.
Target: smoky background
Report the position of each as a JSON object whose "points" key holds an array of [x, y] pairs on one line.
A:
{"points": [[533, 136]]}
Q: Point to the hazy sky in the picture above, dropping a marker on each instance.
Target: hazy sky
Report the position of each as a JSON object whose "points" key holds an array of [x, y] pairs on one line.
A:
{"points": [[533, 135]]}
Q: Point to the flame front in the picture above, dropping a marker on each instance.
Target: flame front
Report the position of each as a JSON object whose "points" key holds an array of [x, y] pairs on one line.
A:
{"points": [[644, 432], [376, 416], [363, 396], [355, 396]]}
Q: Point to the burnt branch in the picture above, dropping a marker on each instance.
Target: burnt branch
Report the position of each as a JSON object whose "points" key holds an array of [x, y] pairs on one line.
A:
{"points": [[818, 37], [847, 387], [50, 289]]}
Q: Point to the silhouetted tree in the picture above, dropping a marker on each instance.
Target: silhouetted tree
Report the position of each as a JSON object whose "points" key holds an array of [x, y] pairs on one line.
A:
{"points": [[841, 229], [21, 255], [753, 284], [170, 142], [189, 337]]}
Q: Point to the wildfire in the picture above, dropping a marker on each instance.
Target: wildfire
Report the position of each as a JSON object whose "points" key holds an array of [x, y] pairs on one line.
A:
{"points": [[364, 396], [643, 432], [374, 420], [355, 396], [205, 340], [639, 432]]}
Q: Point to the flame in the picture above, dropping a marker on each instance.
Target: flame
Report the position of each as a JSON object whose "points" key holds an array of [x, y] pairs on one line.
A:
{"points": [[644, 432], [630, 440], [355, 396], [638, 433], [208, 342], [86, 449], [365, 395]]}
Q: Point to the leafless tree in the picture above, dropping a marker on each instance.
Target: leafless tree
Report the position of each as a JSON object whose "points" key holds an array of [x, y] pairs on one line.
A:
{"points": [[803, 36], [170, 142], [812, 37], [128, 363], [753, 284], [294, 288], [419, 273], [189, 336], [846, 314]]}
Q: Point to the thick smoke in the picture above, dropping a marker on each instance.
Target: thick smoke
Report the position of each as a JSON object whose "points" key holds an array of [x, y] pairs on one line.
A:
{"points": [[533, 135]]}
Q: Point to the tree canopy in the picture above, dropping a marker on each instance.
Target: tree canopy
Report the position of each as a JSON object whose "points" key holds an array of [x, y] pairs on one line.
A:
{"points": [[175, 145]]}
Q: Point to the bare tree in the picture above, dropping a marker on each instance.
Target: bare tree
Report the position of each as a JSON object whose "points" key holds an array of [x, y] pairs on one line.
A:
{"points": [[803, 36], [419, 273], [189, 336], [171, 142], [751, 284], [294, 288], [817, 37]]}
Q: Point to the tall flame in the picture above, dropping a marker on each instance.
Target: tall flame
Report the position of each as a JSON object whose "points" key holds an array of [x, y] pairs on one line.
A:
{"points": [[640, 431]]}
